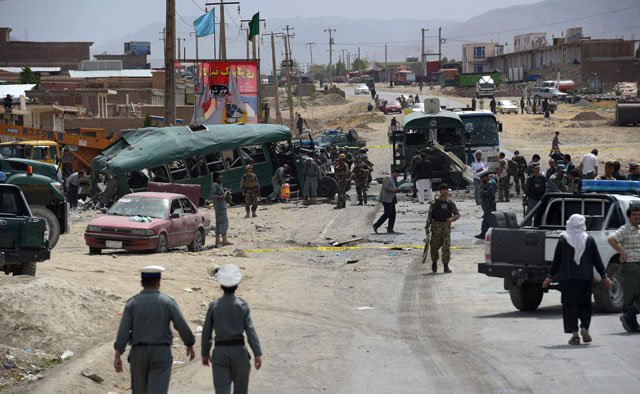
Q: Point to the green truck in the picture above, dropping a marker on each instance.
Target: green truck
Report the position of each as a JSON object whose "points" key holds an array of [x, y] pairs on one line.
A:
{"points": [[23, 242], [39, 184]]}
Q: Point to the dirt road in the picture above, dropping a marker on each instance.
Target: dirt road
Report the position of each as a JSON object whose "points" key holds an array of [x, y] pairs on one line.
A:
{"points": [[383, 324]]}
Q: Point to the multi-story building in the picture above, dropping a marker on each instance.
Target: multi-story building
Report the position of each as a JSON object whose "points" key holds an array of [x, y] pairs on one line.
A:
{"points": [[475, 56]]}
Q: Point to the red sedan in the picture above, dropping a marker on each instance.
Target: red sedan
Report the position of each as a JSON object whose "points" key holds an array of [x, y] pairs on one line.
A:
{"points": [[391, 107], [149, 221]]}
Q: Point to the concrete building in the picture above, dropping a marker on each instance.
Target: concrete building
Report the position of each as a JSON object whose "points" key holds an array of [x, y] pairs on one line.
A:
{"points": [[66, 55], [577, 58], [129, 61], [475, 56], [529, 41]]}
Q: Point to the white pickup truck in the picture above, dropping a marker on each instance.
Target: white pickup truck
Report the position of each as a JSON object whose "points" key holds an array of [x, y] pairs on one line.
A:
{"points": [[521, 253]]}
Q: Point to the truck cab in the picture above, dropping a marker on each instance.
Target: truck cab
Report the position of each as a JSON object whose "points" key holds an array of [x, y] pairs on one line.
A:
{"points": [[23, 242]]}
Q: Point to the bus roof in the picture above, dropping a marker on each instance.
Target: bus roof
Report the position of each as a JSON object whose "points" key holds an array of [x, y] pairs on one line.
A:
{"points": [[422, 120], [485, 112], [153, 146]]}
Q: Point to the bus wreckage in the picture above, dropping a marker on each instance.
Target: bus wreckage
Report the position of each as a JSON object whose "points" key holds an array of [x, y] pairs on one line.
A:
{"points": [[441, 136], [191, 154]]}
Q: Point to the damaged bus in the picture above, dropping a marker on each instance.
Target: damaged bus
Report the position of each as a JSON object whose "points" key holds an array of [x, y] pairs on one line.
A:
{"points": [[441, 135], [190, 154]]}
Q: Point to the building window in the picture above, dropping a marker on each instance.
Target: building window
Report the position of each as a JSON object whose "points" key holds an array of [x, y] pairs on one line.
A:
{"points": [[478, 52], [478, 68]]}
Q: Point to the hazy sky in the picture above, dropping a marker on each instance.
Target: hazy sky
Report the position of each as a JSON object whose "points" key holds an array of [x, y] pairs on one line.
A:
{"points": [[103, 20]]}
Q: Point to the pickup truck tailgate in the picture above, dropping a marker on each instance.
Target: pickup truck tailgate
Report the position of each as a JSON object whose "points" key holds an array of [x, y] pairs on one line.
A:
{"points": [[522, 247]]}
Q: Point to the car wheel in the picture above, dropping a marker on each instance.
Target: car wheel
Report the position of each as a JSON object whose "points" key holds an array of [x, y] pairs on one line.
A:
{"points": [[327, 187], [526, 297], [53, 226], [163, 245], [609, 300], [94, 250], [197, 243]]}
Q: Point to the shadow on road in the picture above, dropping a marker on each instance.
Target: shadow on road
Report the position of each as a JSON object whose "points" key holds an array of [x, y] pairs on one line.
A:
{"points": [[547, 312], [576, 347]]}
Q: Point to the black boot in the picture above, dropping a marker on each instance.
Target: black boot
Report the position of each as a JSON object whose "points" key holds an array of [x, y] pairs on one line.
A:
{"points": [[446, 268], [434, 266]]}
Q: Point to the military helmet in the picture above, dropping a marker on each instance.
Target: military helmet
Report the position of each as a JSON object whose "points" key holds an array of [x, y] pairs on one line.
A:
{"points": [[342, 156]]}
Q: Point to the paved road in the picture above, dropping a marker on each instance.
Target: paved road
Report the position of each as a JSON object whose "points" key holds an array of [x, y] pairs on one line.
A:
{"points": [[397, 91]]}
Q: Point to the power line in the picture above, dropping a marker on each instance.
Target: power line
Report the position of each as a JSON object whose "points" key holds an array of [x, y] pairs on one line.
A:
{"points": [[196, 4]]}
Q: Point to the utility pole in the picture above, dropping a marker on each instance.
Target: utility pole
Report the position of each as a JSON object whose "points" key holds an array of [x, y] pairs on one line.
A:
{"points": [[223, 39], [330, 30], [359, 53], [169, 56], [288, 40], [179, 46], [310, 44], [247, 30], [193, 33], [288, 63], [423, 57], [440, 45], [386, 66], [343, 51], [275, 78]]}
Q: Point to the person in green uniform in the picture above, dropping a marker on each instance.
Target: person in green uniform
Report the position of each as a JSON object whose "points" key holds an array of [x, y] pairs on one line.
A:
{"points": [[229, 317], [442, 212], [341, 171], [488, 196], [250, 188], [626, 241], [360, 176], [145, 325]]}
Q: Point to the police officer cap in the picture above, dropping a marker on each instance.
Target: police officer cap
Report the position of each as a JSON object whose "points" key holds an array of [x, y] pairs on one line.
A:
{"points": [[634, 206], [229, 275], [633, 164], [342, 156], [151, 272], [535, 165], [560, 167]]}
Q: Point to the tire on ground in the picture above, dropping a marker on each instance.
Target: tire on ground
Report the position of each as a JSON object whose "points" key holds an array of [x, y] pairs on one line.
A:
{"points": [[53, 226], [526, 297], [25, 269], [352, 135], [327, 187], [606, 300]]}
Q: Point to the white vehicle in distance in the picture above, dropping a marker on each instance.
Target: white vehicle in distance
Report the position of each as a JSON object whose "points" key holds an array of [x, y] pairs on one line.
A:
{"points": [[548, 93], [361, 88], [417, 107], [507, 107]]}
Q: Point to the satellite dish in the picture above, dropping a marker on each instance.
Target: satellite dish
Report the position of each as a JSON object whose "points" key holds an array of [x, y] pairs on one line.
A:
{"points": [[443, 41]]}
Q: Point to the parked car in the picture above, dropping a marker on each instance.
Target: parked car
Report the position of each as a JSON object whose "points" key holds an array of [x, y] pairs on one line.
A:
{"points": [[149, 221], [391, 107], [507, 107], [361, 88], [548, 93]]}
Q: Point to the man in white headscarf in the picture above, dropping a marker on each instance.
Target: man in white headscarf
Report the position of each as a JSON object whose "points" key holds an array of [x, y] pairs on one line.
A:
{"points": [[575, 258]]}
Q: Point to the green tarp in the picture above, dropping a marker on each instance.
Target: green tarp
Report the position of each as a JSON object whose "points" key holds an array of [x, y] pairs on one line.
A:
{"points": [[442, 119], [153, 146]]}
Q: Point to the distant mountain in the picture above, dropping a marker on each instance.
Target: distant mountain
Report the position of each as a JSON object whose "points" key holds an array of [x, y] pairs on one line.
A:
{"points": [[597, 18]]}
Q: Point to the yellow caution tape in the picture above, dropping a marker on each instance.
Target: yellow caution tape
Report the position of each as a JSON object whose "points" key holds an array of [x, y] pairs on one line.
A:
{"points": [[378, 146], [338, 248]]}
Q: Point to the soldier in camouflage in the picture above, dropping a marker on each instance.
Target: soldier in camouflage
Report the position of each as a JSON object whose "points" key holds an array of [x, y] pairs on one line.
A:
{"points": [[361, 177], [442, 212], [341, 170], [250, 188]]}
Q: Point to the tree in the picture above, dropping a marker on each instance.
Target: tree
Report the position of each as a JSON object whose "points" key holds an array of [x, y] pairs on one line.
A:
{"points": [[445, 60], [359, 64], [341, 68], [27, 76]]}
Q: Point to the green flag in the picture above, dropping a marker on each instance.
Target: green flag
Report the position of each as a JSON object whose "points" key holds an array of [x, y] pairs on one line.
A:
{"points": [[254, 26]]}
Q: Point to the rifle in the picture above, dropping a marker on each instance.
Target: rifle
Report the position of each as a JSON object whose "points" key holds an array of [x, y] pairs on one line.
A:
{"points": [[425, 252]]}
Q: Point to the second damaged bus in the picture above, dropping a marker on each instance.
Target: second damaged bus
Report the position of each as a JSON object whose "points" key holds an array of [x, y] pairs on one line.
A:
{"points": [[190, 155]]}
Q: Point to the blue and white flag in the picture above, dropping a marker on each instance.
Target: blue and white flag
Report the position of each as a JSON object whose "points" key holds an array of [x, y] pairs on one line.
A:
{"points": [[206, 24]]}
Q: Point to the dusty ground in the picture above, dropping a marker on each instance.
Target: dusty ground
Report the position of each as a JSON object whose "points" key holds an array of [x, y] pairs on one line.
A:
{"points": [[380, 325]]}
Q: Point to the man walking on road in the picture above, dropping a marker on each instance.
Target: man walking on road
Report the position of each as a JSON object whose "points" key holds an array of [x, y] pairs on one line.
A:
{"points": [[534, 190], [341, 171], [360, 175], [519, 177], [229, 317], [488, 202], [589, 165], [626, 241], [477, 167], [389, 201], [145, 325], [503, 179], [442, 212]]}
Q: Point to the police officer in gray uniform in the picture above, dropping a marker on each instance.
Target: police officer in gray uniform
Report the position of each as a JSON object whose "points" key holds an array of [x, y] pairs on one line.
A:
{"points": [[145, 325], [229, 316]]}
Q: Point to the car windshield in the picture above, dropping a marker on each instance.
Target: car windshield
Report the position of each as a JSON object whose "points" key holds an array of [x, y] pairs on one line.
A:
{"points": [[484, 130], [140, 206], [393, 103]]}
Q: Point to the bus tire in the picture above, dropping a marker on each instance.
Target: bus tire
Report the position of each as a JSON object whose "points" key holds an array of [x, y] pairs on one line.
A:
{"points": [[53, 226], [327, 187]]}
